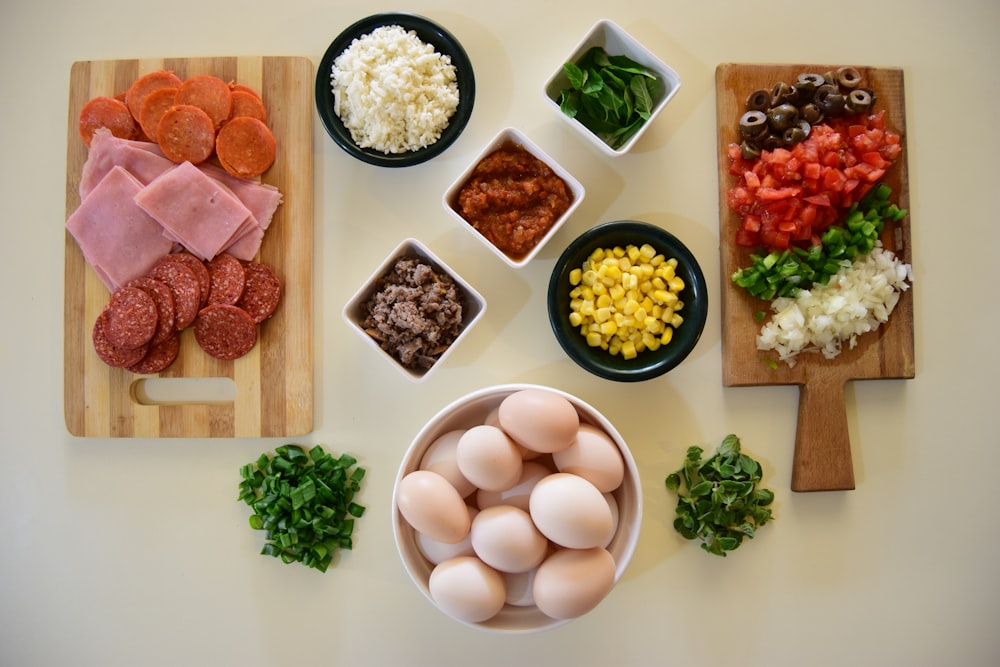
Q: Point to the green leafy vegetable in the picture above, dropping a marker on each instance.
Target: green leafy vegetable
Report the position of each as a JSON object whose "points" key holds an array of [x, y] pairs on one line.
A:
{"points": [[303, 502], [785, 273], [612, 96], [718, 500]]}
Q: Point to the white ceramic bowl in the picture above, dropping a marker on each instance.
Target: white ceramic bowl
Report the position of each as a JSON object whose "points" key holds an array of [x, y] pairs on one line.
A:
{"points": [[514, 135], [354, 315], [471, 410], [615, 41]]}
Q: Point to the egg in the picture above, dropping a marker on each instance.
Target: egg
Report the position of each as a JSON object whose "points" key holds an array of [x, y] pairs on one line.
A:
{"points": [[438, 552], [518, 494], [540, 420], [570, 511], [518, 586], [432, 506], [505, 538], [571, 582], [467, 589], [615, 515], [593, 456], [488, 458], [440, 458]]}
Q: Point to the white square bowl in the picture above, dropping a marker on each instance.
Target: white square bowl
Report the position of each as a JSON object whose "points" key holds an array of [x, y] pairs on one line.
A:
{"points": [[510, 134], [615, 41], [354, 310]]}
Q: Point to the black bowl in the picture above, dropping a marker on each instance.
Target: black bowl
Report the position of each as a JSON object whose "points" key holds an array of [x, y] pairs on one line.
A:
{"points": [[647, 364], [429, 32]]}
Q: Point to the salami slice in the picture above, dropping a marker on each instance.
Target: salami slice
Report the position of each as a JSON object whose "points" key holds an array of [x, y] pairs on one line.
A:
{"points": [[109, 353], [262, 291], [224, 331], [106, 112], [209, 93], [185, 288], [131, 318], [158, 357], [227, 279], [154, 106], [142, 87], [245, 147], [186, 133], [197, 267], [163, 297]]}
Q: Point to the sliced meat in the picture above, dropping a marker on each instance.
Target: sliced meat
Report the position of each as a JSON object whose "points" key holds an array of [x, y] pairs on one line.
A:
{"points": [[224, 331], [245, 147], [199, 270], [131, 318], [227, 279], [210, 94], [262, 291], [186, 133], [185, 288], [248, 104], [109, 353], [163, 297], [142, 87], [156, 104], [109, 113], [158, 357]]}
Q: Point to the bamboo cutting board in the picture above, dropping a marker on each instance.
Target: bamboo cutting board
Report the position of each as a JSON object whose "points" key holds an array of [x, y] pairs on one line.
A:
{"points": [[822, 458], [274, 383]]}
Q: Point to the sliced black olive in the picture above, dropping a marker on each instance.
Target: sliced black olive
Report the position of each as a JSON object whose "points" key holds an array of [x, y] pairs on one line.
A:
{"points": [[830, 78], [848, 78], [811, 112], [771, 142], [749, 150], [810, 81], [793, 135], [833, 104], [782, 117], [822, 92], [859, 100], [753, 124], [759, 100], [779, 93]]}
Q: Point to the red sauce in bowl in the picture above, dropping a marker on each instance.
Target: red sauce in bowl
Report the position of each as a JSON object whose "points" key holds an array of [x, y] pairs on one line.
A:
{"points": [[513, 199]]}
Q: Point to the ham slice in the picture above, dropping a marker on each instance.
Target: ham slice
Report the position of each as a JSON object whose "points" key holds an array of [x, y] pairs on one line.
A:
{"points": [[117, 237], [195, 209], [142, 159]]}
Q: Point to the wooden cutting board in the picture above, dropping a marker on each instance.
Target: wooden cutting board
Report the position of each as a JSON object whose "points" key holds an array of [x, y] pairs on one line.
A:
{"points": [[273, 384], [822, 459]]}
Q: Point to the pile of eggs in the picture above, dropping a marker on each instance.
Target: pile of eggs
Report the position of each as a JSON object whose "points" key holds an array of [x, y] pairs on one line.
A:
{"points": [[518, 510]]}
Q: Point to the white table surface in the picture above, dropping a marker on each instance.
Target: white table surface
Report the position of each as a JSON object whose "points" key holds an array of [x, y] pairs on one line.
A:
{"points": [[136, 552]]}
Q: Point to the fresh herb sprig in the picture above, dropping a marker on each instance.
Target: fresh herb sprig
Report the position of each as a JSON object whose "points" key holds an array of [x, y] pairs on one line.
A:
{"points": [[611, 95], [303, 502], [719, 501], [784, 273]]}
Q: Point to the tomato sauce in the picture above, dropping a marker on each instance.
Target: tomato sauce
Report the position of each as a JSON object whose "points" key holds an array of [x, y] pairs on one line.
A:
{"points": [[513, 198]]}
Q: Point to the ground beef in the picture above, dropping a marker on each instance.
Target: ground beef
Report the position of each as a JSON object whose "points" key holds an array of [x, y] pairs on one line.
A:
{"points": [[415, 313]]}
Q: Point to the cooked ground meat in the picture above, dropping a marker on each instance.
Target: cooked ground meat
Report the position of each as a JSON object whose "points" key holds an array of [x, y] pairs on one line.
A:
{"points": [[415, 313]]}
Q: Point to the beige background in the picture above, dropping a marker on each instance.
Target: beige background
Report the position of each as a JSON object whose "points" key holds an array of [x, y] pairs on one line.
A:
{"points": [[135, 552]]}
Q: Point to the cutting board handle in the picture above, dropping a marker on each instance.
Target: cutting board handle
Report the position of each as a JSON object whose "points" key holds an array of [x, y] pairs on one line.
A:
{"points": [[822, 460]]}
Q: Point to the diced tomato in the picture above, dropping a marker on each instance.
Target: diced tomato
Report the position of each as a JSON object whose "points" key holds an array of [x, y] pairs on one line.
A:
{"points": [[834, 179], [752, 179], [747, 239]]}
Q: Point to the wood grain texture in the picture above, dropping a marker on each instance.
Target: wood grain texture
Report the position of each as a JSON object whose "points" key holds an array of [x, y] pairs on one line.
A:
{"points": [[274, 382], [822, 459]]}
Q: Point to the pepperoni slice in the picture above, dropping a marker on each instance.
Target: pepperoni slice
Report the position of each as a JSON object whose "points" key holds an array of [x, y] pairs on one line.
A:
{"points": [[163, 297], [131, 318], [186, 133], [224, 331], [248, 104], [106, 112], [144, 86], [262, 291], [197, 267], [209, 93], [109, 353], [239, 87], [227, 279], [158, 357], [184, 285], [245, 147], [153, 107]]}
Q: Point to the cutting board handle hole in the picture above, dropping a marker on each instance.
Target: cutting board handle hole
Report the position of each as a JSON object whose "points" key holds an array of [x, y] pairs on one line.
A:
{"points": [[183, 391]]}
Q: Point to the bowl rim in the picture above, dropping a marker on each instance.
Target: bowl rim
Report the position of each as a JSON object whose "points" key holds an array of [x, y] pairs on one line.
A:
{"points": [[415, 247], [642, 54], [627, 540], [429, 32], [518, 136], [650, 363]]}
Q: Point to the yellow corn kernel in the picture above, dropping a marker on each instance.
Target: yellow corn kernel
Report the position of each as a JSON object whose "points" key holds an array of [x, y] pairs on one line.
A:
{"points": [[618, 251], [594, 339], [630, 306], [628, 350], [575, 318], [597, 255], [587, 308], [639, 314], [616, 292], [575, 276], [657, 260], [603, 301], [609, 328], [647, 252], [633, 253], [676, 320], [602, 314], [599, 288], [666, 336], [676, 284]]}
